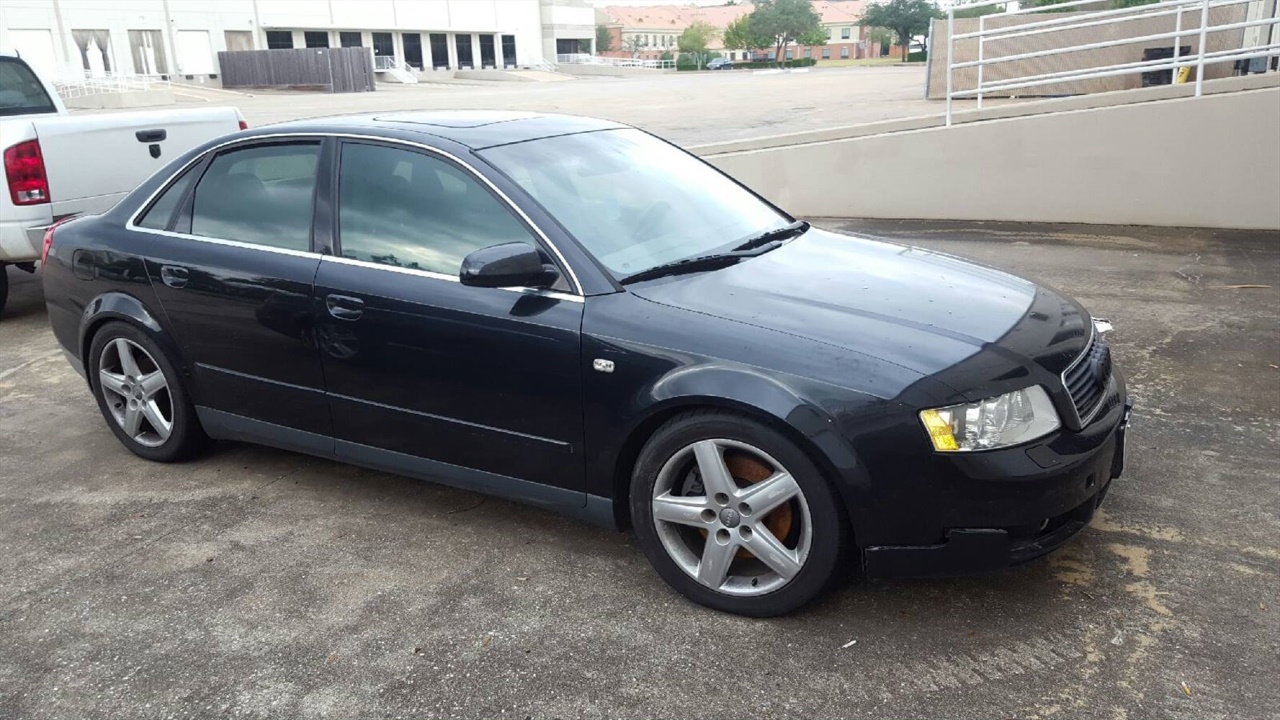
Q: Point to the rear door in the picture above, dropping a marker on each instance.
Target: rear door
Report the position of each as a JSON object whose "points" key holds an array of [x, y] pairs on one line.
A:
{"points": [[420, 367], [231, 260]]}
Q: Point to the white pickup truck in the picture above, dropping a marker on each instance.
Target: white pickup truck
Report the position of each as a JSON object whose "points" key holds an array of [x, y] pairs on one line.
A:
{"points": [[57, 165]]}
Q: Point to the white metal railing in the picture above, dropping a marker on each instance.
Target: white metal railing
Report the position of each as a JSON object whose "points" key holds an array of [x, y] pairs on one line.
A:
{"points": [[77, 82], [1099, 19], [585, 59]]}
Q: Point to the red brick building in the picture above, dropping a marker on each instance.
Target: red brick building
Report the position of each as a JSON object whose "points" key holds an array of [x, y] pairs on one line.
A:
{"points": [[650, 31]]}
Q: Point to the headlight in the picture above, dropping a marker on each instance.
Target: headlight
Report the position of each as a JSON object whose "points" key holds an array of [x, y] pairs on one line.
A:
{"points": [[1012, 418]]}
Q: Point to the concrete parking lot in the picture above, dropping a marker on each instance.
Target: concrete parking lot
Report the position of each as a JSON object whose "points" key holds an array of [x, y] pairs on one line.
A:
{"points": [[260, 583], [687, 108]]}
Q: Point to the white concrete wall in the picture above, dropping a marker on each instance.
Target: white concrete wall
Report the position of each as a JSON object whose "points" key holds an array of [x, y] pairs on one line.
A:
{"points": [[1212, 161], [521, 18]]}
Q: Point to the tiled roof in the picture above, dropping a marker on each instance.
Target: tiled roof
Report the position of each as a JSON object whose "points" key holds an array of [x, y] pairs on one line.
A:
{"points": [[679, 17]]}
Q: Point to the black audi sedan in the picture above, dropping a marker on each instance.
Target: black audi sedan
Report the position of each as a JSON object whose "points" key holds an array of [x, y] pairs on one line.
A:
{"points": [[575, 314]]}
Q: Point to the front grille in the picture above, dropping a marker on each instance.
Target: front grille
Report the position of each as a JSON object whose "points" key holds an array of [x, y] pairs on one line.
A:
{"points": [[1088, 377]]}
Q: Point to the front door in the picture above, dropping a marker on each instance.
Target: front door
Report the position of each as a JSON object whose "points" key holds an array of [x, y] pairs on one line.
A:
{"points": [[473, 386], [232, 264]]}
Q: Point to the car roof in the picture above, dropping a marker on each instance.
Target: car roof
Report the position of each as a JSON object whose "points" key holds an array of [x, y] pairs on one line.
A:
{"points": [[476, 129]]}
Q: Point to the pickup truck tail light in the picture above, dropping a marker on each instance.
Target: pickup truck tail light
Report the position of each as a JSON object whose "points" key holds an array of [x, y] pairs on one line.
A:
{"points": [[24, 168]]}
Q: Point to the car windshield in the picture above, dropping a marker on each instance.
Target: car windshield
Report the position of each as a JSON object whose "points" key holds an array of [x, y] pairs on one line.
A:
{"points": [[20, 92], [633, 201]]}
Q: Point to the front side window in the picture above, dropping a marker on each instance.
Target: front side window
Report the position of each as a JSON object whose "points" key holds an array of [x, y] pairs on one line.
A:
{"points": [[632, 200], [412, 210], [844, 33], [844, 51], [261, 195]]}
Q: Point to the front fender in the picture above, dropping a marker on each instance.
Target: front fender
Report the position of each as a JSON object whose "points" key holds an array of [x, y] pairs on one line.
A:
{"points": [[801, 409]]}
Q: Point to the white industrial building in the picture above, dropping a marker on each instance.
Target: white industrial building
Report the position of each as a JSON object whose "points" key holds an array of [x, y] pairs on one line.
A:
{"points": [[181, 38]]}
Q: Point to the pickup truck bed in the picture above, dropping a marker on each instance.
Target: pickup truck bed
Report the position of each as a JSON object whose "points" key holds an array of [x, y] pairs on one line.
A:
{"points": [[57, 164]]}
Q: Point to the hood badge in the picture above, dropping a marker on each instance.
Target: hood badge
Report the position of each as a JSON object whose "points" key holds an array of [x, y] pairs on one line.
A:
{"points": [[602, 365]]}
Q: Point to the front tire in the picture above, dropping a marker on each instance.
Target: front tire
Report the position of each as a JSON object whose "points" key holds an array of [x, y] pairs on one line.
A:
{"points": [[735, 516], [141, 396]]}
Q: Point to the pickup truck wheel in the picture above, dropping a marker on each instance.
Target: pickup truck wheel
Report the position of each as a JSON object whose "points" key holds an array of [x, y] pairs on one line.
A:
{"points": [[4, 285], [141, 395]]}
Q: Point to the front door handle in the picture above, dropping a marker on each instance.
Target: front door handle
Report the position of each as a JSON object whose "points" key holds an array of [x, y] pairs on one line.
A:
{"points": [[174, 276], [344, 308]]}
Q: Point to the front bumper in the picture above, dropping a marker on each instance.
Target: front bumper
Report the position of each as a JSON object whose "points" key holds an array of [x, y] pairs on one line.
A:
{"points": [[1026, 524]]}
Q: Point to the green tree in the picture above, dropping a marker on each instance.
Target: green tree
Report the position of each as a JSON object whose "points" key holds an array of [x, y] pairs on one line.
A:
{"points": [[741, 35], [814, 37], [906, 18], [695, 39], [785, 21], [604, 39]]}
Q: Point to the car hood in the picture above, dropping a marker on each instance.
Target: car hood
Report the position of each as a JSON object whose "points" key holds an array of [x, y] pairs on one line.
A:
{"points": [[970, 326]]}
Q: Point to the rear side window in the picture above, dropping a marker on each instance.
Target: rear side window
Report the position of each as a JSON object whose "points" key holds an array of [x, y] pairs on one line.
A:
{"points": [[20, 92], [160, 213], [261, 195]]}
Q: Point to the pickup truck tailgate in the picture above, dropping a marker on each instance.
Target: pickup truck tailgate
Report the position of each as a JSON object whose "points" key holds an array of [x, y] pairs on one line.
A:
{"points": [[92, 160]]}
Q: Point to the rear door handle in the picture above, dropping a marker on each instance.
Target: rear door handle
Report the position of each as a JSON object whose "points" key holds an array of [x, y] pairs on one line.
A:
{"points": [[174, 276], [151, 136], [344, 308]]}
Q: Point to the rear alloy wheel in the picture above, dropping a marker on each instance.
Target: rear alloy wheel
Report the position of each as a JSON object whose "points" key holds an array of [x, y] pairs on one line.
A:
{"points": [[138, 391], [735, 516]]}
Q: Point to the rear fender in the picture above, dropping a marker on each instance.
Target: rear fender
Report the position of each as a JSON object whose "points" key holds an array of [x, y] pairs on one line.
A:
{"points": [[114, 306]]}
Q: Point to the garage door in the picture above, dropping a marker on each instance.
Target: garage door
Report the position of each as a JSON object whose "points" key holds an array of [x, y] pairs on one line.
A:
{"points": [[195, 54]]}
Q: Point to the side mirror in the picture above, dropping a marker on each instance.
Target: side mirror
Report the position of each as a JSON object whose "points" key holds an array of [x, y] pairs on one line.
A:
{"points": [[513, 264]]}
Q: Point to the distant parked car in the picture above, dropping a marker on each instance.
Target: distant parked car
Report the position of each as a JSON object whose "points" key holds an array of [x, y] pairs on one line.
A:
{"points": [[57, 165], [575, 314], [720, 64]]}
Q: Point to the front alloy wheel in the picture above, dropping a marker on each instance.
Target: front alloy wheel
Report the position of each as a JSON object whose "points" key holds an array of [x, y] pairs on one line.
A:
{"points": [[734, 515]]}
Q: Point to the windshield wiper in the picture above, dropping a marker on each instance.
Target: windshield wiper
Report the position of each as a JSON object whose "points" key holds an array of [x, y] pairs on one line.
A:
{"points": [[756, 245], [694, 264], [798, 227]]}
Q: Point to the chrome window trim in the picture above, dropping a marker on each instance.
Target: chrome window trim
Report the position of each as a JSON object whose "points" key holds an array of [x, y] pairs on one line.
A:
{"points": [[543, 292], [133, 219], [229, 243]]}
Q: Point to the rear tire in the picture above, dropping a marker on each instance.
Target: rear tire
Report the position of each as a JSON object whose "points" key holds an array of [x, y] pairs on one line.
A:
{"points": [[140, 393], [735, 516], [4, 286]]}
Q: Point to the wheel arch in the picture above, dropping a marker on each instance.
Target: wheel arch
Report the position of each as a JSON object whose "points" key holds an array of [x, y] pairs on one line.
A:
{"points": [[750, 394], [117, 306]]}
